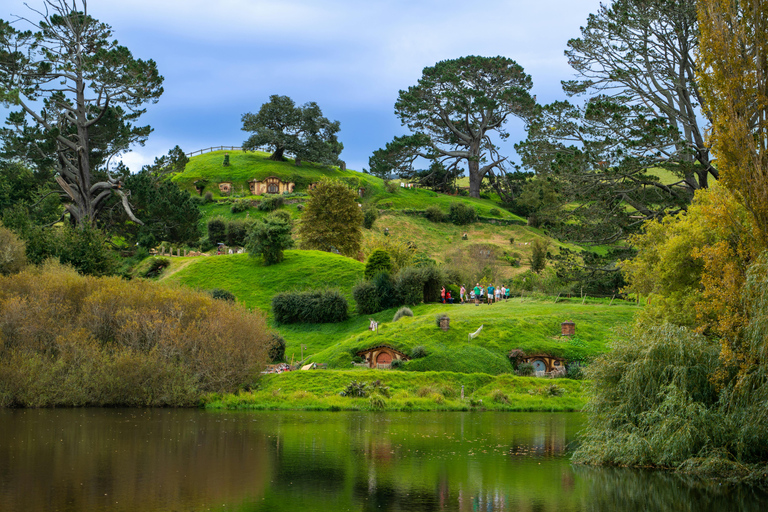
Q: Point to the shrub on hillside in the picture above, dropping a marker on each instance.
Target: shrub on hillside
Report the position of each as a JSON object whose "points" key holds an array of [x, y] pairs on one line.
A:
{"points": [[270, 203], [495, 212], [208, 197], [379, 261], [241, 205], [385, 289], [156, 267], [435, 214], [525, 369], [217, 230], [461, 214], [403, 311], [277, 348], [370, 214], [409, 286], [237, 232], [538, 259], [418, 352], [221, 294], [365, 297], [269, 238], [72, 340], [313, 307]]}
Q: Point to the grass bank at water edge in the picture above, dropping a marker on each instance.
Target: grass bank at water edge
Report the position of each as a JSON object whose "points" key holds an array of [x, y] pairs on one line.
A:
{"points": [[407, 391]]}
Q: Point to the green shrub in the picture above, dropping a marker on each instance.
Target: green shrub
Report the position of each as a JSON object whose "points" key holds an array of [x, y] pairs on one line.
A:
{"points": [[370, 214], [379, 261], [403, 311], [573, 370], [377, 403], [356, 389], [538, 259], [461, 214], [217, 230], [366, 298], [270, 203], [390, 186], [434, 214], [525, 369], [499, 396], [277, 349], [495, 212], [241, 205], [208, 197], [156, 267], [553, 390], [418, 352], [385, 289], [237, 232], [225, 163], [221, 294], [397, 363], [409, 286], [269, 238], [313, 307]]}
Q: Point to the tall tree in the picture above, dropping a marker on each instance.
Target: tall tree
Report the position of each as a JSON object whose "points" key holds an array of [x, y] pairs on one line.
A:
{"points": [[301, 131], [78, 92], [453, 111], [734, 83], [332, 219], [635, 59]]}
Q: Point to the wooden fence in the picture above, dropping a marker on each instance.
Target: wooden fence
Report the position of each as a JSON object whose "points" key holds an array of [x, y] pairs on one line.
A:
{"points": [[214, 148]]}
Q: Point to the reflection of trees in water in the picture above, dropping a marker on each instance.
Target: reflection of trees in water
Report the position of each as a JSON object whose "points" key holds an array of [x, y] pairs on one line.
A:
{"points": [[610, 489], [144, 460]]}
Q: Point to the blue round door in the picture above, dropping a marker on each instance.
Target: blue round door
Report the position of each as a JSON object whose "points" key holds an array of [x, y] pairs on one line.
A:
{"points": [[539, 365]]}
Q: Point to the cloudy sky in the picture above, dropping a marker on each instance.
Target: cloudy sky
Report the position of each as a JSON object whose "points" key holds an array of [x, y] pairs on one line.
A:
{"points": [[223, 58]]}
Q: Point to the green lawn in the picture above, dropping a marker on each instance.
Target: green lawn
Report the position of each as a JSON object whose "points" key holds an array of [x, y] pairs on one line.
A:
{"points": [[245, 167], [530, 325], [424, 391], [254, 284]]}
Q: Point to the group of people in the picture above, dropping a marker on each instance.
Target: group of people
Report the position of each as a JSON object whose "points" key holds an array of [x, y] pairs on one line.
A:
{"points": [[477, 294]]}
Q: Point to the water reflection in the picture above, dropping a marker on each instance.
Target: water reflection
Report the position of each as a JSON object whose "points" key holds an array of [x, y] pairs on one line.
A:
{"points": [[89, 460]]}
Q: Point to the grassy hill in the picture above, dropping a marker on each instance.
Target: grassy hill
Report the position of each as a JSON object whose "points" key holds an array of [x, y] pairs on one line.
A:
{"points": [[254, 284], [530, 325], [245, 167]]}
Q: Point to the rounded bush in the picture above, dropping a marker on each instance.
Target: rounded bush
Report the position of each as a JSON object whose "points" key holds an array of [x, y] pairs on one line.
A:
{"points": [[313, 307], [418, 352], [277, 349], [461, 214], [435, 214], [403, 311]]}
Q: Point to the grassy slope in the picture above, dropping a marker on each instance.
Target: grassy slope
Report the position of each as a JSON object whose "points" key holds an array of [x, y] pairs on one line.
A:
{"points": [[254, 284], [256, 165], [425, 391], [530, 325]]}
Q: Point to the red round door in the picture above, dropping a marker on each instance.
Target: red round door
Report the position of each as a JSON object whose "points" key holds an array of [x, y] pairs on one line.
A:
{"points": [[383, 358]]}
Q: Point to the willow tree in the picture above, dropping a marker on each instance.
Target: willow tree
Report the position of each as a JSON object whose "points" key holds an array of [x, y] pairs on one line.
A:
{"points": [[77, 92], [453, 112], [734, 84]]}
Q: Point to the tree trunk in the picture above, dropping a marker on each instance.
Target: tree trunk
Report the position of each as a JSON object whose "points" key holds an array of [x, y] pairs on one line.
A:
{"points": [[278, 155], [475, 178]]}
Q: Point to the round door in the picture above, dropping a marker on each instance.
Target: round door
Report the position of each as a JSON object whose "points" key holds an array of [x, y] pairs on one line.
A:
{"points": [[539, 365], [383, 358]]}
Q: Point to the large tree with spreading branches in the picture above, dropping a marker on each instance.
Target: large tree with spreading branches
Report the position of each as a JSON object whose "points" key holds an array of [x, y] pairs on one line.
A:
{"points": [[635, 63], [453, 112], [301, 131], [77, 92]]}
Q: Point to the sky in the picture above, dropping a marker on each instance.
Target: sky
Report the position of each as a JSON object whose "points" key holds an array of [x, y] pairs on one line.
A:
{"points": [[224, 58]]}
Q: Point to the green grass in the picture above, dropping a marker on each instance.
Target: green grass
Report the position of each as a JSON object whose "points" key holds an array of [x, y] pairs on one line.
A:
{"points": [[254, 284], [424, 391], [245, 167], [420, 199], [530, 325]]}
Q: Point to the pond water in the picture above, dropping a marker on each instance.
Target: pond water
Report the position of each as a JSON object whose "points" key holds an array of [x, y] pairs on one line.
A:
{"points": [[194, 460]]}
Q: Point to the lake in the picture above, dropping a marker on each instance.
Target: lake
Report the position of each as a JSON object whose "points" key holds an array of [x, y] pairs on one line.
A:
{"points": [[195, 460]]}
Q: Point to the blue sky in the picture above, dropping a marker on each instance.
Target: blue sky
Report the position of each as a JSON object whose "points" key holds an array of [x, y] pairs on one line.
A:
{"points": [[223, 58]]}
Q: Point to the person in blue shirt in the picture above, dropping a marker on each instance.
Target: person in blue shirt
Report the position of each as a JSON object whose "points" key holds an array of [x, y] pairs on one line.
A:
{"points": [[490, 293]]}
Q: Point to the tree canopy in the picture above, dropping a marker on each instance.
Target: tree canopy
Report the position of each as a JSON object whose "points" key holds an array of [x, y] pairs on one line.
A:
{"points": [[452, 112], [301, 131], [78, 92], [635, 60], [332, 219]]}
